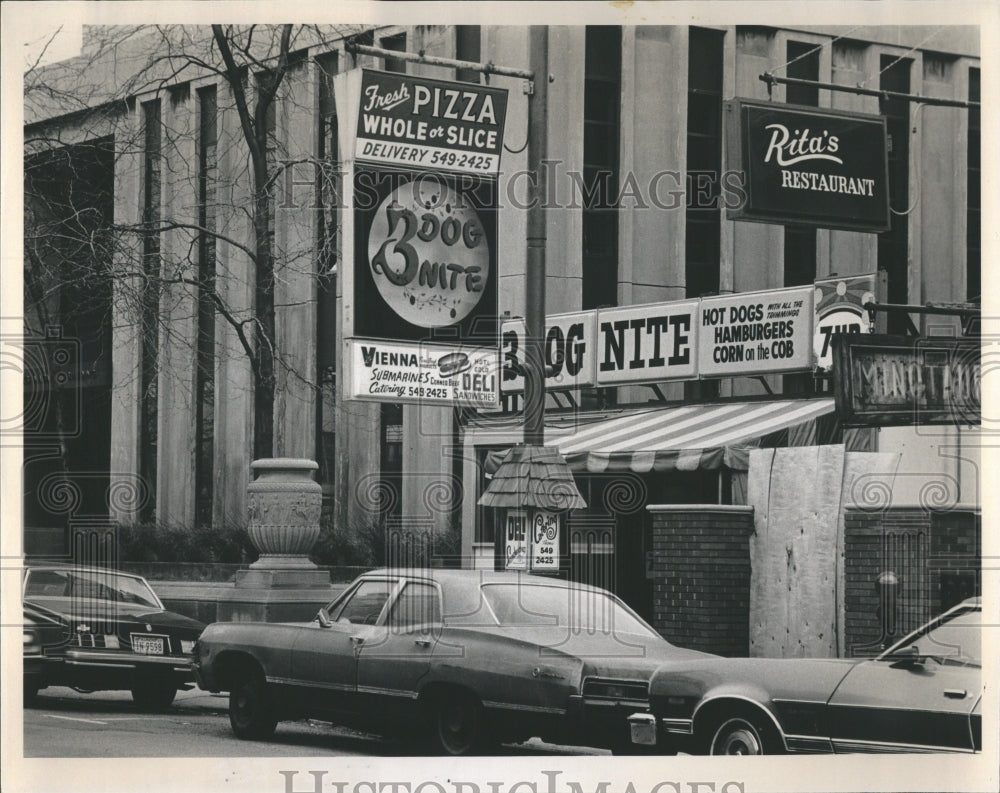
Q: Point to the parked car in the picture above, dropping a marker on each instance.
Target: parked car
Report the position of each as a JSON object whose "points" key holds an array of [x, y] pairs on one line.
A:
{"points": [[466, 658], [96, 629], [922, 694]]}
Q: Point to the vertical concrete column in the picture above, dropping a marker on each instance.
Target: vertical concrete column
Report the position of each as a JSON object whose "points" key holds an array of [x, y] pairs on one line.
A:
{"points": [[126, 342], [852, 252], [564, 152], [295, 265], [701, 568], [757, 248], [942, 177], [234, 283], [654, 144], [653, 147], [178, 311], [509, 45], [357, 424], [430, 489]]}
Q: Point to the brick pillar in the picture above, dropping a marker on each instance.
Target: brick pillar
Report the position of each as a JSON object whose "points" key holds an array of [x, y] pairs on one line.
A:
{"points": [[701, 569]]}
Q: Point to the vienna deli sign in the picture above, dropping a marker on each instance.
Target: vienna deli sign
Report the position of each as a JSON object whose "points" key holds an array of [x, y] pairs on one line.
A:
{"points": [[805, 165]]}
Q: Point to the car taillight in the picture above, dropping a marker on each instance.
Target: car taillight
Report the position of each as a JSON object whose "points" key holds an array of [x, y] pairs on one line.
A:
{"points": [[615, 689], [31, 643]]}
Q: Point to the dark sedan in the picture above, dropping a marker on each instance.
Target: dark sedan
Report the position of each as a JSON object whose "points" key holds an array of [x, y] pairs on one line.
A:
{"points": [[466, 659], [96, 629], [923, 694]]}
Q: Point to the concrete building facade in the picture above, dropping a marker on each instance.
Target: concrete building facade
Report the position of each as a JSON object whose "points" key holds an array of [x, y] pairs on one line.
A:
{"points": [[640, 107]]}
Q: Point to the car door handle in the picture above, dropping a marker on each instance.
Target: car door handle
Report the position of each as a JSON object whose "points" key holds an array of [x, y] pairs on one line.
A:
{"points": [[422, 642], [956, 693], [357, 640]]}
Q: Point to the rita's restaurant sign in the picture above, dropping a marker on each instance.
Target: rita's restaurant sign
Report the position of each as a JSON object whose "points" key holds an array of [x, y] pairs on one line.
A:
{"points": [[416, 122], [823, 168], [901, 380]]}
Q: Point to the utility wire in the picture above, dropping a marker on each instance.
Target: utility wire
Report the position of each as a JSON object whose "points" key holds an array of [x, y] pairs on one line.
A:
{"points": [[914, 48], [818, 47]]}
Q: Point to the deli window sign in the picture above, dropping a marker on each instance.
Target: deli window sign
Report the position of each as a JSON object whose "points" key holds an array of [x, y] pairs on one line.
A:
{"points": [[811, 166]]}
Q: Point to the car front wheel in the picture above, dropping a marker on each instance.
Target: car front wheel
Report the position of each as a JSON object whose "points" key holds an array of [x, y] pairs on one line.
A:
{"points": [[742, 735], [31, 687], [458, 727], [251, 713], [153, 693]]}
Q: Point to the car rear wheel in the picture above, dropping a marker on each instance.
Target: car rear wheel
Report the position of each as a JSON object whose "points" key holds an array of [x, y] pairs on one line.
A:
{"points": [[743, 735], [153, 693], [458, 727], [251, 712]]}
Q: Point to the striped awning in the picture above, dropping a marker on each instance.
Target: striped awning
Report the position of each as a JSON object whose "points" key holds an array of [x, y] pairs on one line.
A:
{"points": [[681, 438]]}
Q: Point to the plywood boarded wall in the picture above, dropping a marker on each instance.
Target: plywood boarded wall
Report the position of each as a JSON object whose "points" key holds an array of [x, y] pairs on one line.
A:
{"points": [[796, 551]]}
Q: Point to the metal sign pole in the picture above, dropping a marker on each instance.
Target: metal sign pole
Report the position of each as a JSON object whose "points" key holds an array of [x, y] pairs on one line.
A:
{"points": [[534, 307]]}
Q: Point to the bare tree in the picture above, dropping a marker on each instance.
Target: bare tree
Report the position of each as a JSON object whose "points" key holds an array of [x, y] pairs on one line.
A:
{"points": [[82, 261]]}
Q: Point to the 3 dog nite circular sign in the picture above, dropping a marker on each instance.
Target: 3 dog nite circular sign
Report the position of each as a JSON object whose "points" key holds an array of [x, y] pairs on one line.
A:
{"points": [[428, 253]]}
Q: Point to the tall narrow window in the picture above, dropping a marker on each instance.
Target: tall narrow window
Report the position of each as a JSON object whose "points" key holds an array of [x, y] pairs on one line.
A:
{"points": [[703, 219], [330, 185], [149, 324], [893, 245], [703, 215], [205, 373], [973, 253], [601, 134], [395, 43], [468, 47], [800, 241]]}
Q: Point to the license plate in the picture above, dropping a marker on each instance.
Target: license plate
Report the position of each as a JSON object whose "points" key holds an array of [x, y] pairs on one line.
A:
{"points": [[643, 731], [147, 645]]}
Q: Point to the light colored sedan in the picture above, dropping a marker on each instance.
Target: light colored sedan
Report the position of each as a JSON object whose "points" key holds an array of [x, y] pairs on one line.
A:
{"points": [[466, 659], [923, 694]]}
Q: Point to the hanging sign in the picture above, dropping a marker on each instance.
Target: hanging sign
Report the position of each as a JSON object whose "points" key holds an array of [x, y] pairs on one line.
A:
{"points": [[545, 541], [436, 125], [516, 540], [840, 309], [422, 288], [755, 332], [904, 380], [823, 168]]}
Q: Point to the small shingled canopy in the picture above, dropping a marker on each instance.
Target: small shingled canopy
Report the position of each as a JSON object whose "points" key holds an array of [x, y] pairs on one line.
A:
{"points": [[533, 476]]}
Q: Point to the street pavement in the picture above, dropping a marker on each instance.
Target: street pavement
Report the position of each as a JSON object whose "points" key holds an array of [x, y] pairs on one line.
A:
{"points": [[65, 723]]}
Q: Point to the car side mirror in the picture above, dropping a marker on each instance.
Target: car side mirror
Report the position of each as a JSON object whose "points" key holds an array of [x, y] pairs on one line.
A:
{"points": [[906, 657], [323, 618]]}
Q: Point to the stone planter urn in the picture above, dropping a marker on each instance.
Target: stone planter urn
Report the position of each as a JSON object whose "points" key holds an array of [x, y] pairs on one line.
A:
{"points": [[284, 504]]}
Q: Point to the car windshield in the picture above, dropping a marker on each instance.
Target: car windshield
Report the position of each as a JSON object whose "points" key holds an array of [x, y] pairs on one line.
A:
{"points": [[581, 610], [956, 641], [102, 585]]}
